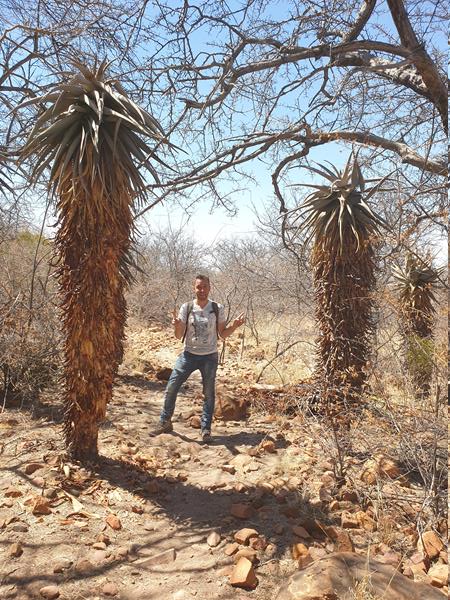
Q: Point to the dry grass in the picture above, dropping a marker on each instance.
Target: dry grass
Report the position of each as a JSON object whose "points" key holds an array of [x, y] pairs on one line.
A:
{"points": [[363, 590]]}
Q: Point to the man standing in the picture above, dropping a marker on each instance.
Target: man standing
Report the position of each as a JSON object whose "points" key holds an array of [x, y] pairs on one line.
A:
{"points": [[198, 324]]}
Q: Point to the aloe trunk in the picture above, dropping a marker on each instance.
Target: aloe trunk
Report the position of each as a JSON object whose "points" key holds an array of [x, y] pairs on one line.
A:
{"points": [[90, 138]]}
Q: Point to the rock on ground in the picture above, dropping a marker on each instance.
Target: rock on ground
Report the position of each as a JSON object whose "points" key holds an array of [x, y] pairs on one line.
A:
{"points": [[333, 578]]}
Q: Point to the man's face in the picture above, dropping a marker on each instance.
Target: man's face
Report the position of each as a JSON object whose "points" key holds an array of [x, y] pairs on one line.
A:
{"points": [[201, 289]]}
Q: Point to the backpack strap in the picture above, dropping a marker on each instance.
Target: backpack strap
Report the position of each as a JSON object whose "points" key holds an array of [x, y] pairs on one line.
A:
{"points": [[215, 308], [190, 306]]}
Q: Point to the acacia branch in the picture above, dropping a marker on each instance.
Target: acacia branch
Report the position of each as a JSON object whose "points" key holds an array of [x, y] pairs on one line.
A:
{"points": [[364, 14], [421, 59]]}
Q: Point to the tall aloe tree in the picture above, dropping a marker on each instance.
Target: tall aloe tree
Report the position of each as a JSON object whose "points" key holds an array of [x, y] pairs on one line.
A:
{"points": [[90, 138], [343, 227], [415, 282]]}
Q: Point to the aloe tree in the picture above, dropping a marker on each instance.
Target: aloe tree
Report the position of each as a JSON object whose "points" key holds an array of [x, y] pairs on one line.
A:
{"points": [[415, 282], [89, 136], [343, 227]]}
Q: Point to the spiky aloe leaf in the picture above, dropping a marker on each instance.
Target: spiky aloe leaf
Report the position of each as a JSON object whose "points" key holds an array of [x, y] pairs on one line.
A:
{"points": [[416, 279], [341, 204], [81, 128]]}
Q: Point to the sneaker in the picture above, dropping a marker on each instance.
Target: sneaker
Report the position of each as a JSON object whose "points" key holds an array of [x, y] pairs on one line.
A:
{"points": [[162, 427], [206, 437]]}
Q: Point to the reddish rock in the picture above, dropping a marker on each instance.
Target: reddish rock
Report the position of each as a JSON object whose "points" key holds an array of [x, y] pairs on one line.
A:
{"points": [[16, 550], [110, 589], [49, 592], [195, 422], [268, 446], [41, 506], [431, 544], [113, 521], [247, 553], [298, 550], [349, 521], [341, 538], [365, 521], [231, 548], [300, 532], [439, 575], [244, 575], [244, 535], [229, 408], [258, 543], [30, 468], [13, 492]]}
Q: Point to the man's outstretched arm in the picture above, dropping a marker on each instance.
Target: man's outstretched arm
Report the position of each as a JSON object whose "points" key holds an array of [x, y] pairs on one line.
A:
{"points": [[226, 331]]}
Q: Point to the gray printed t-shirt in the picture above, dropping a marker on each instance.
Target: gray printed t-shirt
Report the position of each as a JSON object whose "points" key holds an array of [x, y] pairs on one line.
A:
{"points": [[201, 336]]}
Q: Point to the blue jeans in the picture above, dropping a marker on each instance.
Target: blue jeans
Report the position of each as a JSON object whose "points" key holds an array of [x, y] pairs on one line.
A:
{"points": [[185, 365]]}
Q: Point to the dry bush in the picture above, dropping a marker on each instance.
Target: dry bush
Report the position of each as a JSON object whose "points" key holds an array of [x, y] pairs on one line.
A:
{"points": [[29, 322]]}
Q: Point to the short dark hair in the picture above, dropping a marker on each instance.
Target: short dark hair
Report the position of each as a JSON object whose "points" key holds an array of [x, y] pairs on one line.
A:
{"points": [[202, 278]]}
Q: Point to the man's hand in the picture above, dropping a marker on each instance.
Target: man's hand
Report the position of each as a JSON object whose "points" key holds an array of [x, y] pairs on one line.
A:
{"points": [[178, 324], [238, 321], [175, 320], [224, 332]]}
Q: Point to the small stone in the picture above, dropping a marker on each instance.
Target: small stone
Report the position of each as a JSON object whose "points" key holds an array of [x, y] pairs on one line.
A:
{"points": [[243, 535], [113, 521], [195, 422], [30, 468], [231, 548], [110, 589], [213, 539], [16, 550], [258, 543], [244, 575], [102, 537], [431, 544], [268, 446], [84, 565], [390, 558], [99, 545], [41, 506], [270, 550], [246, 553], [229, 469], [240, 487], [97, 556], [20, 527], [298, 550], [61, 565], [349, 521], [348, 495], [300, 532], [365, 521], [13, 492], [49, 592], [439, 575], [241, 510], [50, 493]]}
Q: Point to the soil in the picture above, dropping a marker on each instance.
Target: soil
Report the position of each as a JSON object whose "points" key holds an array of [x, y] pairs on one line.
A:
{"points": [[135, 525]]}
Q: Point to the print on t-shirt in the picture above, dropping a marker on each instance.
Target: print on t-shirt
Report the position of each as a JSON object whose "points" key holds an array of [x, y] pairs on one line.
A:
{"points": [[201, 334]]}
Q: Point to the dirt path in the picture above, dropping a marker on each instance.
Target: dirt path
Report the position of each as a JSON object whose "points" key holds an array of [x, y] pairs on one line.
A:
{"points": [[169, 493], [136, 525]]}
